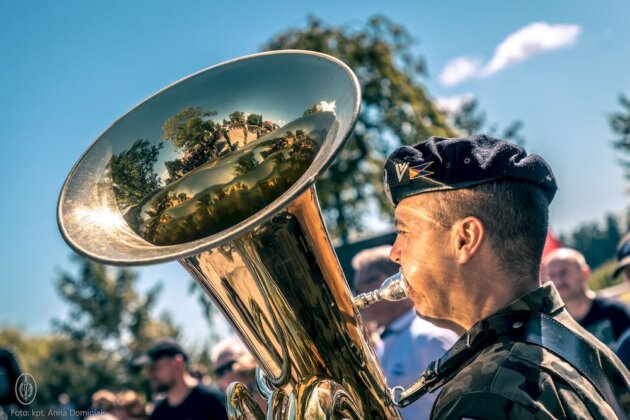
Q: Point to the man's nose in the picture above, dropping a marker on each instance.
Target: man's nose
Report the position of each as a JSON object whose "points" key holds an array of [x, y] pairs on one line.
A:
{"points": [[394, 254]]}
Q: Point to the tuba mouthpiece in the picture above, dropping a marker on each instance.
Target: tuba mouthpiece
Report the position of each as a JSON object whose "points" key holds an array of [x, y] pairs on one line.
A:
{"points": [[393, 289]]}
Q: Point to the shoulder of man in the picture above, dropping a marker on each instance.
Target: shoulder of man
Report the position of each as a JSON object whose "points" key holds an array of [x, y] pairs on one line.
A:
{"points": [[509, 379]]}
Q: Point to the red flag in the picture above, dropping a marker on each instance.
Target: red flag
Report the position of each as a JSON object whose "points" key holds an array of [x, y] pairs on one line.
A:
{"points": [[551, 243]]}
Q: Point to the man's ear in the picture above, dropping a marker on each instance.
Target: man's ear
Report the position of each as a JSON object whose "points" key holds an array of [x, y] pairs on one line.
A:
{"points": [[468, 234]]}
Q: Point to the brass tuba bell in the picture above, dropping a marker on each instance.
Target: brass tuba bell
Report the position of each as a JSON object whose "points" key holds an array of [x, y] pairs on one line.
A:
{"points": [[218, 172]]}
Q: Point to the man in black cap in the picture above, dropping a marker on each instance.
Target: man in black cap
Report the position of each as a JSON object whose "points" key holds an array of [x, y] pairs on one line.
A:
{"points": [[472, 216], [167, 369]]}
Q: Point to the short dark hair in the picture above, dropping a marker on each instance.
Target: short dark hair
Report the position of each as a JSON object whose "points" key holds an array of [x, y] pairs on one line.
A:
{"points": [[515, 214]]}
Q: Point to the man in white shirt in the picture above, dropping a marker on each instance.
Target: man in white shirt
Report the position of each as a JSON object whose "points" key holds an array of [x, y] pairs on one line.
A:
{"points": [[404, 343]]}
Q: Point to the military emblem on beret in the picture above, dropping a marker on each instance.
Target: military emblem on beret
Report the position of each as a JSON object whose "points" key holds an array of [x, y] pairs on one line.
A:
{"points": [[420, 171], [401, 168]]}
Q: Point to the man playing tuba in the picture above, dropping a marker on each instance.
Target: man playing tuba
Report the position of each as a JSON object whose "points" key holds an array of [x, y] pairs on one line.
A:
{"points": [[471, 215]]}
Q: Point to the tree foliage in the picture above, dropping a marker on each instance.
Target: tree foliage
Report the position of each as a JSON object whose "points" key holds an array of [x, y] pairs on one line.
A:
{"points": [[109, 323], [597, 241], [395, 110], [189, 127], [133, 173], [620, 125], [105, 307], [470, 119], [602, 277]]}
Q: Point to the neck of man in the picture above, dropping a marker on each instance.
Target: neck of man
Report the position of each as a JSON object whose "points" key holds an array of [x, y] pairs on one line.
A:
{"points": [[180, 390], [482, 295], [578, 306]]}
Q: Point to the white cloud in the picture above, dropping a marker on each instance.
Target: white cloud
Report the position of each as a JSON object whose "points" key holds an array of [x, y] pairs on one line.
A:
{"points": [[452, 104], [528, 41], [531, 40], [458, 70]]}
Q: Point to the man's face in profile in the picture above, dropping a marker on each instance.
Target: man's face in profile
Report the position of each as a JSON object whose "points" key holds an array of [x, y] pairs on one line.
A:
{"points": [[422, 250]]}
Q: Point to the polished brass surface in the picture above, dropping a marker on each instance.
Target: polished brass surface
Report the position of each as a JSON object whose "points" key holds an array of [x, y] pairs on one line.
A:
{"points": [[241, 404], [283, 288], [217, 171]]}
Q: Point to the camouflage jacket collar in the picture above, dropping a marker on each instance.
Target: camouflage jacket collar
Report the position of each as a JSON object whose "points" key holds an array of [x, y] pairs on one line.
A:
{"points": [[545, 299]]}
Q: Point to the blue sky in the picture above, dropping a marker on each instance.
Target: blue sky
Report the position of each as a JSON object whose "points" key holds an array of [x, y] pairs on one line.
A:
{"points": [[68, 69]]}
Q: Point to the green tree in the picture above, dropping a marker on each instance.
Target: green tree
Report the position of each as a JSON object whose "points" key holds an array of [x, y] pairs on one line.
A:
{"points": [[395, 110], [620, 125], [34, 356], [597, 241], [255, 119], [189, 127], [133, 173], [109, 323], [245, 164], [602, 277], [236, 117], [470, 119]]}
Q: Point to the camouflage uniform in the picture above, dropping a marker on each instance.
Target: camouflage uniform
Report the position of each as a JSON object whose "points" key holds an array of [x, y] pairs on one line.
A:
{"points": [[515, 380]]}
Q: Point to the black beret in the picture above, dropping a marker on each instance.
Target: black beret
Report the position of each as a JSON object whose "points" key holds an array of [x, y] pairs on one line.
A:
{"points": [[440, 164]]}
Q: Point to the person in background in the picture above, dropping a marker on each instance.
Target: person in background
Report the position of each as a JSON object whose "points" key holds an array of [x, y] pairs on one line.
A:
{"points": [[104, 402], [224, 355], [404, 343], [607, 319], [623, 269], [129, 405], [234, 363], [167, 369]]}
